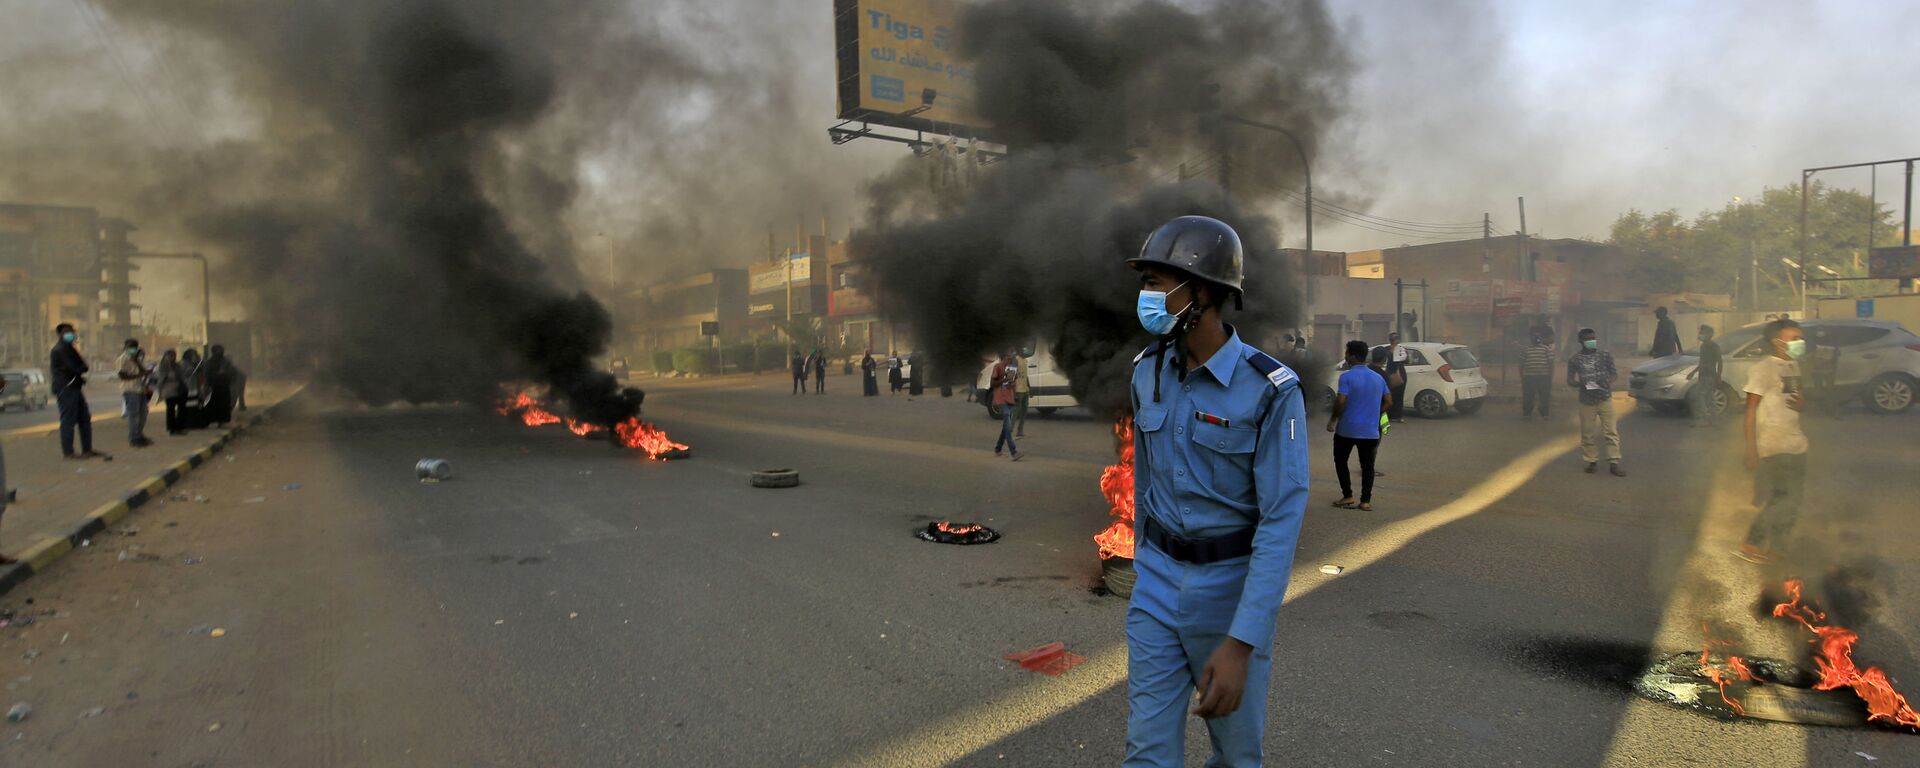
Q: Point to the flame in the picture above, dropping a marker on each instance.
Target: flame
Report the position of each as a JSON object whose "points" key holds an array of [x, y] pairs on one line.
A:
{"points": [[1720, 677], [582, 428], [634, 433], [529, 409], [958, 530], [536, 416], [1116, 483], [1834, 658]]}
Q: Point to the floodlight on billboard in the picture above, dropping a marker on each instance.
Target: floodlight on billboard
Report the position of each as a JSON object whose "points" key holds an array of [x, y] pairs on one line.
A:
{"points": [[898, 66]]}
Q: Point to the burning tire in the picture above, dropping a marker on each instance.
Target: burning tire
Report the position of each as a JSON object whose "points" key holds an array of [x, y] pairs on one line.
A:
{"points": [[1777, 691], [776, 478], [1117, 573]]}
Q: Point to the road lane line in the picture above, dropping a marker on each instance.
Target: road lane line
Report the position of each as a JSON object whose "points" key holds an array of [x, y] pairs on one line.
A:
{"points": [[954, 738]]}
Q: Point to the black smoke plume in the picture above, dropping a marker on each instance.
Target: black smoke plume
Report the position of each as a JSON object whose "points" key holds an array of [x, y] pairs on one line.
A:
{"points": [[1099, 104], [383, 251]]}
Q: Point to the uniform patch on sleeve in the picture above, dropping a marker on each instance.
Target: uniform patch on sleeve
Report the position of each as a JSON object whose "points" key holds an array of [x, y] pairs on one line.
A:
{"points": [[1275, 372]]}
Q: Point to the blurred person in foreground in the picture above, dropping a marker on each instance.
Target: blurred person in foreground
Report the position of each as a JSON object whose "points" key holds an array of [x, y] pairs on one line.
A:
{"points": [[1591, 372], [1776, 447], [1220, 462]]}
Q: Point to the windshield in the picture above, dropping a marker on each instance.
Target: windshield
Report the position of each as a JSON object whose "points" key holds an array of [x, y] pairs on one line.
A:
{"points": [[1734, 343], [1460, 357]]}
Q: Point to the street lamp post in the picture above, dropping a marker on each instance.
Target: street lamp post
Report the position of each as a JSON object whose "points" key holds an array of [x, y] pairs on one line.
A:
{"points": [[1305, 169]]}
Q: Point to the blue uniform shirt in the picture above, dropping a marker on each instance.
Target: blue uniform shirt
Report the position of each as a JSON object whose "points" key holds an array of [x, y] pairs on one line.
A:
{"points": [[1223, 450], [1364, 387]]}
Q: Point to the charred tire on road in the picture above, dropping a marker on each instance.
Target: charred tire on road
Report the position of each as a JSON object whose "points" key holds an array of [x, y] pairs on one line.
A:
{"points": [[775, 478], [1780, 692], [1118, 575]]}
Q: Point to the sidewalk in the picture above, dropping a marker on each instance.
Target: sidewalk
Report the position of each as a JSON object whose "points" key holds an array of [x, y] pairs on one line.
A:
{"points": [[56, 494]]}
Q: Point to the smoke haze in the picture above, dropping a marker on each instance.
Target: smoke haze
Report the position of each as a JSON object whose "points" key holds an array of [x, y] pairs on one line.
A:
{"points": [[1098, 104]]}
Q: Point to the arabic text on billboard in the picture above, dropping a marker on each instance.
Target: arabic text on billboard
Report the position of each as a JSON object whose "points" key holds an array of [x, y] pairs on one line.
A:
{"points": [[891, 53], [772, 277]]}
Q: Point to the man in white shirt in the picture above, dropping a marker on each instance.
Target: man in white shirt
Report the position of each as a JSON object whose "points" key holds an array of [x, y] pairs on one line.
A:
{"points": [[1776, 448]]}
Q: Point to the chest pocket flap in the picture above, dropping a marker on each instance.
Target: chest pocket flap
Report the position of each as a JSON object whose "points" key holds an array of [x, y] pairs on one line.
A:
{"points": [[1221, 439], [1150, 419]]}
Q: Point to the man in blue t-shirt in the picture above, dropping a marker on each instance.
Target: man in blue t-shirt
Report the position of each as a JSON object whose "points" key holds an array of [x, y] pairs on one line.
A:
{"points": [[1355, 423]]}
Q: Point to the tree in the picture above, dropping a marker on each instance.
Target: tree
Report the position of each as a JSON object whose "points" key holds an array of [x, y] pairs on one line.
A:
{"points": [[1721, 251]]}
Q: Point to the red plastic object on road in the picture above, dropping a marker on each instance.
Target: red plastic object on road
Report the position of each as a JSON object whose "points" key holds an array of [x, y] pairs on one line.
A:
{"points": [[1051, 659]]}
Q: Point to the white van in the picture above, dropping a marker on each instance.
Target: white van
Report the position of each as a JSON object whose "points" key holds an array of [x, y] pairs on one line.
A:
{"points": [[1047, 387]]}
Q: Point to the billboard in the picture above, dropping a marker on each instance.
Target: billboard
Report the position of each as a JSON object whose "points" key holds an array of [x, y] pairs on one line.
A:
{"points": [[767, 287], [1897, 262], [892, 55]]}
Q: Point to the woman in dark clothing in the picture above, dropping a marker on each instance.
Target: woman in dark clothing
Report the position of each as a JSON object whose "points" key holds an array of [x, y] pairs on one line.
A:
{"points": [[171, 381], [894, 378], [870, 386], [219, 386]]}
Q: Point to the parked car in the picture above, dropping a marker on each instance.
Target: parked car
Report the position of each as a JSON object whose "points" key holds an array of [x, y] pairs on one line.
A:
{"points": [[1047, 388], [1440, 376], [26, 389], [1879, 365]]}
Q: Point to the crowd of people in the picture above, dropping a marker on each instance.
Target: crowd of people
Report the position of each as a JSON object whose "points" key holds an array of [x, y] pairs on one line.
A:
{"points": [[196, 391]]}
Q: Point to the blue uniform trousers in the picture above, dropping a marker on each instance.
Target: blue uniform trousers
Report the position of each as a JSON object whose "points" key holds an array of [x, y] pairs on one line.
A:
{"points": [[1179, 614]]}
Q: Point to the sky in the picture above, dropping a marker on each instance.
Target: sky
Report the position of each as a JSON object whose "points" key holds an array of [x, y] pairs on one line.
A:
{"points": [[1585, 109]]}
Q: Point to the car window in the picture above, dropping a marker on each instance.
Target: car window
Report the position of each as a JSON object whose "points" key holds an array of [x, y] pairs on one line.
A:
{"points": [[1847, 335], [1415, 358], [1741, 344], [1460, 357]]}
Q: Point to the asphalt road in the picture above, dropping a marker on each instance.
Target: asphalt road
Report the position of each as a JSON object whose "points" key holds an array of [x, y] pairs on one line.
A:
{"points": [[13, 419], [563, 603]]}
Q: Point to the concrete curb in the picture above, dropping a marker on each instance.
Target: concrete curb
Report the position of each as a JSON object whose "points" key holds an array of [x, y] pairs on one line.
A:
{"points": [[42, 554]]}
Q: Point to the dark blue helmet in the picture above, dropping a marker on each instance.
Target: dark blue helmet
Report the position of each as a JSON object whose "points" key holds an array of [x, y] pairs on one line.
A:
{"points": [[1197, 245]]}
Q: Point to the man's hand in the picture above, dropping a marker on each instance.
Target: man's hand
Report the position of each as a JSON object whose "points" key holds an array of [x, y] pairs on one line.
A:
{"points": [[1795, 400], [1223, 680], [1331, 422]]}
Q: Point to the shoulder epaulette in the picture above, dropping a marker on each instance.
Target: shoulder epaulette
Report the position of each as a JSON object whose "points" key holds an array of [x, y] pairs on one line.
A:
{"points": [[1151, 348], [1274, 370]]}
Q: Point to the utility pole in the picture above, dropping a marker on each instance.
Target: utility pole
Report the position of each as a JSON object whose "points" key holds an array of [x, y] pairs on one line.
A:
{"points": [[1486, 272], [1525, 266]]}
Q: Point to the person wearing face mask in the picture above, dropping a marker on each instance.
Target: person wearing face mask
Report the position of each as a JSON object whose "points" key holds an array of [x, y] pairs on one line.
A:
{"points": [[1220, 467], [1591, 372], [69, 371], [1776, 448], [134, 392]]}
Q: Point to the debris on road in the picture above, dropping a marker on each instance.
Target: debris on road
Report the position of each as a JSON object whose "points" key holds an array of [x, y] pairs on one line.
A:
{"points": [[958, 533], [775, 478], [214, 727], [1869, 758], [218, 632], [92, 712], [434, 470], [19, 712], [293, 487], [1051, 659], [132, 552], [254, 500], [1331, 570]]}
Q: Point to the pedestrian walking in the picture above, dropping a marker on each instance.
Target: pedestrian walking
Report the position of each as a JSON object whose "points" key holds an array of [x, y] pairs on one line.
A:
{"points": [[869, 387], [1706, 380], [219, 385], [1776, 447], [1591, 372], [1536, 377], [1357, 407], [799, 373], [1666, 338], [135, 390], [170, 381], [1022, 394], [1396, 376], [819, 372], [1003, 401], [1221, 487], [69, 370], [895, 380]]}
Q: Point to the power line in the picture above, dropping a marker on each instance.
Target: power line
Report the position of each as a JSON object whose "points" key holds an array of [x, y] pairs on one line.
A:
{"points": [[1464, 225], [1391, 229], [89, 14]]}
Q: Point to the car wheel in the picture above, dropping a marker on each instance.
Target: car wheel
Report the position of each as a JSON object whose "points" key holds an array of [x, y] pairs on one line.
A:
{"points": [[1430, 404], [1890, 393], [1723, 400]]}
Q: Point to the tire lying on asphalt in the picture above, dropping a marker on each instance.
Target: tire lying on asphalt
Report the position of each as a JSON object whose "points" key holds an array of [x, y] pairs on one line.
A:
{"points": [[775, 478]]}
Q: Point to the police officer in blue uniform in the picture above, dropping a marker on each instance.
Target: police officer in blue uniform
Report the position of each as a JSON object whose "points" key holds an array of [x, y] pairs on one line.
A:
{"points": [[1220, 463]]}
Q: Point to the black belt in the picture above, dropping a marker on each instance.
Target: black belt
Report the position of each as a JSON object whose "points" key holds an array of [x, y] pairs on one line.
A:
{"points": [[1198, 551]]}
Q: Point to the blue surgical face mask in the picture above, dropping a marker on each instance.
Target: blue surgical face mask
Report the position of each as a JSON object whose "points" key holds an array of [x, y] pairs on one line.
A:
{"points": [[1797, 348], [1152, 311], [1590, 343], [68, 337]]}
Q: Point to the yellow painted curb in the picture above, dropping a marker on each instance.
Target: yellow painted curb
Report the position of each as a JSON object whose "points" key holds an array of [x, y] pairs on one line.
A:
{"points": [[43, 553], [182, 468], [111, 513], [154, 486]]}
